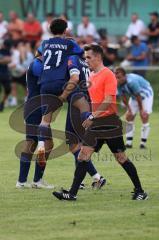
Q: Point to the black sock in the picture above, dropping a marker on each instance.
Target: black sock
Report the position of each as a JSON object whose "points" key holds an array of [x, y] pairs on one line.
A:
{"points": [[132, 173], [79, 175], [90, 167]]}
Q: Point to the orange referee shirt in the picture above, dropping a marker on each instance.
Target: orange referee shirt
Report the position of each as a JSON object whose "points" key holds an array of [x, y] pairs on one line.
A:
{"points": [[102, 84]]}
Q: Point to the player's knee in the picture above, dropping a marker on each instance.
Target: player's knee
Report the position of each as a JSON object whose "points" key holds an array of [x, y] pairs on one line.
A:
{"points": [[85, 153], [145, 118], [120, 157], [129, 116], [30, 147]]}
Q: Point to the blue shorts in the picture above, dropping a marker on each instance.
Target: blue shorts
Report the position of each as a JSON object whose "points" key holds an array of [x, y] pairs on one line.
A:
{"points": [[54, 88]]}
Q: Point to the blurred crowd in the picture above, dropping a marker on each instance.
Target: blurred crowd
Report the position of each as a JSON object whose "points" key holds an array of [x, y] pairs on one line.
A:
{"points": [[139, 47]]}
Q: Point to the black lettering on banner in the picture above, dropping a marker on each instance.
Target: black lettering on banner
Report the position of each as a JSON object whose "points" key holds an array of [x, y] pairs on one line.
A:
{"points": [[99, 9], [85, 8], [29, 6], [68, 7], [118, 7]]}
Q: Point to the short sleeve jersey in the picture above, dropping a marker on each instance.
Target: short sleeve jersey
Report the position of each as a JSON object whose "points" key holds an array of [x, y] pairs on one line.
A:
{"points": [[102, 84], [135, 85], [55, 56]]}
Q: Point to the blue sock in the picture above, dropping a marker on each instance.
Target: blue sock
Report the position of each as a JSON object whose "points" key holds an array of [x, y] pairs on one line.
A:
{"points": [[85, 115], [90, 167], [39, 172], [25, 161], [44, 133]]}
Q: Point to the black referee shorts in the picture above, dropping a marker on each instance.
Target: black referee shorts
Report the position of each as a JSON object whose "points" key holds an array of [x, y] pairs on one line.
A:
{"points": [[107, 130]]}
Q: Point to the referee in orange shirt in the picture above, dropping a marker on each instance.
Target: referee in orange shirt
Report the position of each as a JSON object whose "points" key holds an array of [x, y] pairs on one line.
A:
{"points": [[102, 126]]}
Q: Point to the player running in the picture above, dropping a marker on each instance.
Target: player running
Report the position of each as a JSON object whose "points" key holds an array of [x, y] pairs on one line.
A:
{"points": [[141, 100], [32, 120], [102, 126]]}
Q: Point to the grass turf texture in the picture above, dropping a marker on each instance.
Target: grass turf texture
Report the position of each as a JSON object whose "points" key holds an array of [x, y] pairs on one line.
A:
{"points": [[105, 214]]}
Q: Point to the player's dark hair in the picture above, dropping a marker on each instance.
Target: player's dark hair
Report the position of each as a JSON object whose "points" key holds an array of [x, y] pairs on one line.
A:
{"points": [[58, 26], [121, 70], [95, 48]]}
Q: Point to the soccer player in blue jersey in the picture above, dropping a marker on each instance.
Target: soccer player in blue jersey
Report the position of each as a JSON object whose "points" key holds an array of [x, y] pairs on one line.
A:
{"points": [[141, 100], [78, 111], [32, 119], [56, 51]]}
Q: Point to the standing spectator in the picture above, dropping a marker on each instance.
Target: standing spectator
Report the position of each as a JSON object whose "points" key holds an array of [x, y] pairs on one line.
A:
{"points": [[5, 58], [32, 29], [110, 54], [3, 27], [153, 30], [45, 27], [138, 55], [21, 59], [69, 29], [87, 28], [135, 28], [15, 27]]}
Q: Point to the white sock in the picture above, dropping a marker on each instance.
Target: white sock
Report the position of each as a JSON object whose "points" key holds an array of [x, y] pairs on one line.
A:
{"points": [[130, 129], [41, 144], [145, 130], [96, 176]]}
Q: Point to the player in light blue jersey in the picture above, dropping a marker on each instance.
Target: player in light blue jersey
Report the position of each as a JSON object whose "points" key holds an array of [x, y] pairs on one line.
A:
{"points": [[141, 100]]}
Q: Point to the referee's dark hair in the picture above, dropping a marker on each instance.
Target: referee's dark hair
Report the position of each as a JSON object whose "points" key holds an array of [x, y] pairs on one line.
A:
{"points": [[120, 70], [95, 49], [58, 26]]}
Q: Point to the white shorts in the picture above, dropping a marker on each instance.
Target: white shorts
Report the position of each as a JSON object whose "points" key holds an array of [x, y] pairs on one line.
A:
{"points": [[147, 104]]}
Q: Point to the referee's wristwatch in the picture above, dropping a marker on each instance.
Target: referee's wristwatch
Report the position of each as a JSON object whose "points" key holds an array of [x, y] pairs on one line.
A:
{"points": [[91, 117]]}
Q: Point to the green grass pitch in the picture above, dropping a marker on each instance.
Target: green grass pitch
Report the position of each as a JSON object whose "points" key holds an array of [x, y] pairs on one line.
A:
{"points": [[106, 214]]}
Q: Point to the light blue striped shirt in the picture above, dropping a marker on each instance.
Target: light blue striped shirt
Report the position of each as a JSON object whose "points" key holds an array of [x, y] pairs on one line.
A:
{"points": [[135, 85]]}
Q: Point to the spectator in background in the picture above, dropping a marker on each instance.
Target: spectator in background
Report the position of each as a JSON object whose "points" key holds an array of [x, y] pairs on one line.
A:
{"points": [[135, 28], [89, 39], [69, 30], [3, 27], [110, 54], [15, 27], [46, 34], [21, 59], [153, 30], [5, 58], [138, 56], [32, 30], [87, 28]]}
